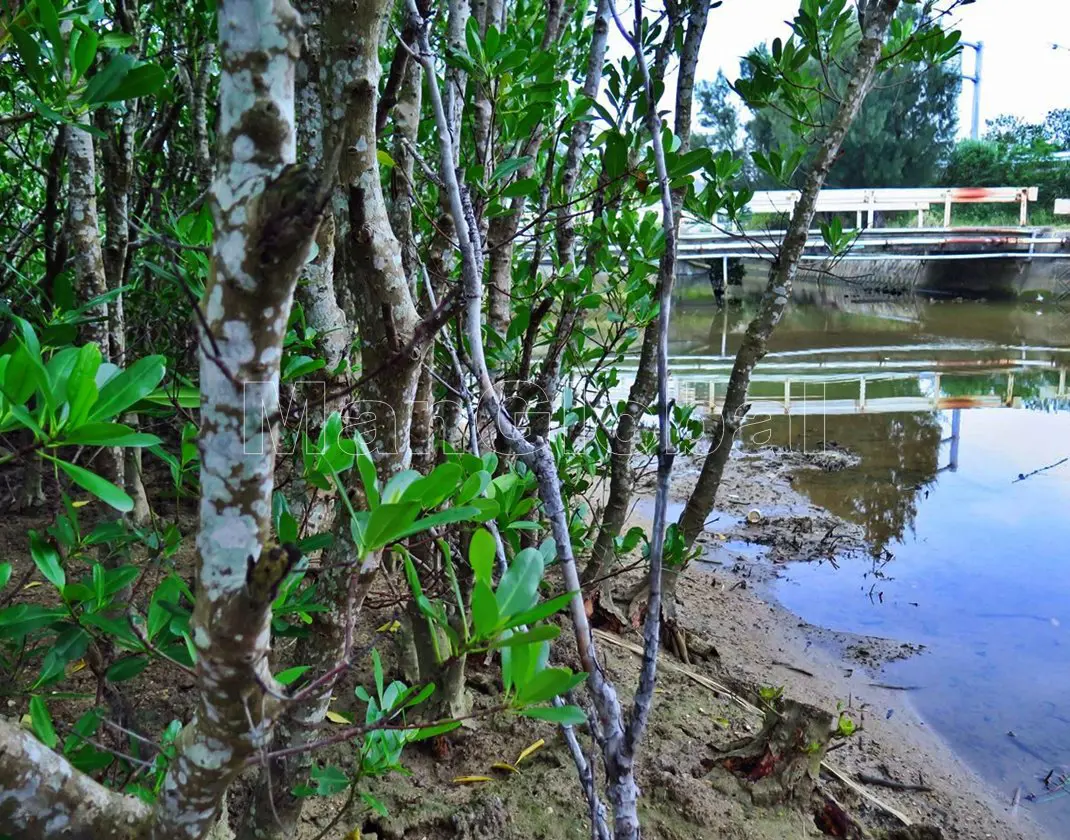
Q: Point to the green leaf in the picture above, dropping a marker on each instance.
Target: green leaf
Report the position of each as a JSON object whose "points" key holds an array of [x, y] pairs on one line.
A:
{"points": [[434, 488], [290, 675], [109, 434], [543, 633], [518, 589], [29, 52], [301, 365], [543, 610], [484, 610], [508, 167], [548, 684], [123, 390], [127, 668], [50, 24], [47, 560], [143, 80], [523, 187], [20, 378], [374, 804], [82, 384], [5, 574], [84, 53], [481, 552], [473, 486], [433, 731], [389, 523], [41, 721], [567, 715], [107, 79], [329, 780], [397, 485], [366, 468], [443, 517], [99, 487], [377, 672], [116, 41]]}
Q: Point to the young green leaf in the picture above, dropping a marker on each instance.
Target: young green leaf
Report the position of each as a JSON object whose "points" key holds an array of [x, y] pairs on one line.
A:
{"points": [[481, 552], [433, 731], [548, 684], [484, 610], [47, 560], [127, 668], [290, 675], [126, 388], [41, 721], [99, 487], [109, 434], [567, 715], [518, 589], [544, 633], [143, 80]]}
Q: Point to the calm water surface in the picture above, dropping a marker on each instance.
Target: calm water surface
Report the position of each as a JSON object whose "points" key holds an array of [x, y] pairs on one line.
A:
{"points": [[947, 403]]}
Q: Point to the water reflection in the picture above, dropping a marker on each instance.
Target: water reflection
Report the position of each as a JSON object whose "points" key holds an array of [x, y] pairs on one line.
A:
{"points": [[946, 403], [901, 454]]}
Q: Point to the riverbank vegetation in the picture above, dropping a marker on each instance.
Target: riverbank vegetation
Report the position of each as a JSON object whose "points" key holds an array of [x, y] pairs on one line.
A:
{"points": [[302, 394]]}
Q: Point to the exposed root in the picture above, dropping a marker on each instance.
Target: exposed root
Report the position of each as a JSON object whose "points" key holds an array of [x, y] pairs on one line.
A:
{"points": [[679, 642], [782, 763]]}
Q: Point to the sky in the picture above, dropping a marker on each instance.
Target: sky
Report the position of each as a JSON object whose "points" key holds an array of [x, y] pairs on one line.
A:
{"points": [[1021, 73]]}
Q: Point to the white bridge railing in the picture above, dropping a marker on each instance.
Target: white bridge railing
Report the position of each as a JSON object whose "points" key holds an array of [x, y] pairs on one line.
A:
{"points": [[919, 200]]}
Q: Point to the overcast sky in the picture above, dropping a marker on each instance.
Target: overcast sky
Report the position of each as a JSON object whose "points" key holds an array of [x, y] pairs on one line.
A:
{"points": [[1021, 73]]}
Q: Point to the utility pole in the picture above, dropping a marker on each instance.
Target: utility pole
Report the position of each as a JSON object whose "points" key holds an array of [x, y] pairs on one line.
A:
{"points": [[975, 118]]}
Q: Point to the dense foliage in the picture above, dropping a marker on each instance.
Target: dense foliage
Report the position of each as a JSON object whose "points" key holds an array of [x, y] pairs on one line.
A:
{"points": [[1017, 153], [356, 281]]}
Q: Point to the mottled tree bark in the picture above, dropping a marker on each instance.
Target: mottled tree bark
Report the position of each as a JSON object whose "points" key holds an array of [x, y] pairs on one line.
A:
{"points": [[43, 797], [83, 230], [118, 158], [782, 274], [370, 266], [199, 118], [87, 257], [266, 211], [622, 444]]}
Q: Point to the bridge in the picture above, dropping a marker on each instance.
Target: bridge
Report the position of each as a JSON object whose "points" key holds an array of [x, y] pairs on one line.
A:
{"points": [[704, 244]]}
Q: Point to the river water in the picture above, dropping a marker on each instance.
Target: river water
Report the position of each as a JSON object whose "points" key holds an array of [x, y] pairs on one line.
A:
{"points": [[947, 403]]}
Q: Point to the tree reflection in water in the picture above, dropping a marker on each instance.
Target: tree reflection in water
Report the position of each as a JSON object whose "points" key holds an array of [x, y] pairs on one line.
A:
{"points": [[900, 460]]}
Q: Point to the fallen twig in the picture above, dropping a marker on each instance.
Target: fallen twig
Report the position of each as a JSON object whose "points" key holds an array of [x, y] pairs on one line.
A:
{"points": [[892, 784], [718, 688], [865, 794], [1024, 476], [891, 687], [802, 671]]}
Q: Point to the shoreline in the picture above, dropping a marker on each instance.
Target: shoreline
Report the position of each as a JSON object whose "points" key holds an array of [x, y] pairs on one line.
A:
{"points": [[727, 599]]}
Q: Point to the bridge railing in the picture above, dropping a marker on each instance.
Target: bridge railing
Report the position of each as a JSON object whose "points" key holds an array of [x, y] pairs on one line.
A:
{"points": [[919, 200]]}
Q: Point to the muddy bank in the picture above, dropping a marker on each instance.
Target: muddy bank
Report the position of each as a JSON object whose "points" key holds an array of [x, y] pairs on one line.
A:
{"points": [[723, 601], [727, 599]]}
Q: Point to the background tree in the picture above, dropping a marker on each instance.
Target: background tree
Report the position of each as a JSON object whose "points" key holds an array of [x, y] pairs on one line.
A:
{"points": [[717, 115], [1014, 152], [902, 136]]}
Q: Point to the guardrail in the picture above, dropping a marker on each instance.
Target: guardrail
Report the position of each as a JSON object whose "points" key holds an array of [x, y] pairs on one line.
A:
{"points": [[919, 200]]}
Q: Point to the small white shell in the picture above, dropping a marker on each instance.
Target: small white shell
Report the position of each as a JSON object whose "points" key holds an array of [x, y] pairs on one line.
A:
{"points": [[754, 516]]}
